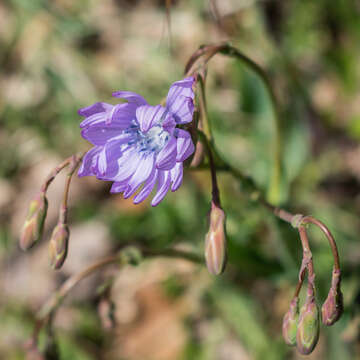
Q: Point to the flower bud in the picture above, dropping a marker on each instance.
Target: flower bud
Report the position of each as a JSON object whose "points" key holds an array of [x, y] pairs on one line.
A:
{"points": [[215, 241], [307, 334], [106, 309], [290, 322], [58, 245], [333, 305], [34, 224]]}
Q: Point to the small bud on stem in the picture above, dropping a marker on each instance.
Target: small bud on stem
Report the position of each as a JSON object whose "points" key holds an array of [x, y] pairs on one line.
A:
{"points": [[58, 245], [308, 330], [290, 322], [34, 224], [215, 241], [333, 306]]}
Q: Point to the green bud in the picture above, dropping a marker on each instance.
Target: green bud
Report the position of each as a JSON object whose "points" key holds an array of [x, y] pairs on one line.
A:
{"points": [[215, 241], [333, 306], [290, 322], [58, 245], [308, 330], [34, 224]]}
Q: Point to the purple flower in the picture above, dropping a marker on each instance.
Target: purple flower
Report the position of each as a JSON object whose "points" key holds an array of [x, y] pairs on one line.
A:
{"points": [[138, 144]]}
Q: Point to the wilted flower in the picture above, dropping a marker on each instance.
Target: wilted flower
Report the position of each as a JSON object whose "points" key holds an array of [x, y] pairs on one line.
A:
{"points": [[58, 245], [215, 241], [34, 224], [138, 144], [290, 322], [333, 306], [308, 326]]}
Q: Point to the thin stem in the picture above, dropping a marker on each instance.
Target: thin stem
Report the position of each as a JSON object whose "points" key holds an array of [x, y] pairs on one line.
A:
{"points": [[215, 188], [307, 258], [208, 52], [326, 231], [53, 303], [74, 163]]}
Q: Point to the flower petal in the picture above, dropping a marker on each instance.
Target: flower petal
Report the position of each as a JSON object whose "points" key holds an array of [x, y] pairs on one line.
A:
{"points": [[131, 97], [96, 108], [89, 161], [176, 176], [167, 156], [148, 116], [180, 100], [141, 174], [118, 187], [185, 146], [107, 165], [99, 135], [148, 187], [127, 165], [164, 181]]}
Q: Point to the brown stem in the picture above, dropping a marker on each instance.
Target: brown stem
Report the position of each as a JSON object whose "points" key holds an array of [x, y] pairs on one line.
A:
{"points": [[56, 299], [326, 231]]}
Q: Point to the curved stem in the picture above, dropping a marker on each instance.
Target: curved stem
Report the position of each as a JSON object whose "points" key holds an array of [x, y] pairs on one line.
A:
{"points": [[208, 52], [326, 231]]}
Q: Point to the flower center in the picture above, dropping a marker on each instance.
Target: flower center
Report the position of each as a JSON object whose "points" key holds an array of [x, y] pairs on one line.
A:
{"points": [[153, 140]]}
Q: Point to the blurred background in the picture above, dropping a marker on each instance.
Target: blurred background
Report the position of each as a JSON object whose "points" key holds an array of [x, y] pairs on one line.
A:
{"points": [[61, 55]]}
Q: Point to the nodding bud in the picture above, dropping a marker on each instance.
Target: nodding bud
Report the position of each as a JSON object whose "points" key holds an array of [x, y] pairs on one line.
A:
{"points": [[290, 322], [215, 241], [58, 245], [333, 306], [34, 224], [106, 310], [308, 329]]}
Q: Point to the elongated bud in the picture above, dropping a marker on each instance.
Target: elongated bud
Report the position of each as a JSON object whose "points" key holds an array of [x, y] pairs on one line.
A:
{"points": [[290, 322], [215, 241], [106, 309], [333, 306], [34, 224], [308, 329], [58, 245]]}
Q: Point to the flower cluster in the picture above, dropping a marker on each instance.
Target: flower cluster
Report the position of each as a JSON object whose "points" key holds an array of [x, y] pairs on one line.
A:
{"points": [[138, 144]]}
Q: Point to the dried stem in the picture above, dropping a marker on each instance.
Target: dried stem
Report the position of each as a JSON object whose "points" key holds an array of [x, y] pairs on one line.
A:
{"points": [[49, 308]]}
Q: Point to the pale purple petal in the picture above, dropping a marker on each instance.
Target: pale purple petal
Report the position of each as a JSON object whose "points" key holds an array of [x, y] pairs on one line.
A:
{"points": [[148, 116], [176, 176], [167, 156], [118, 187], [122, 115], [141, 174], [164, 181], [98, 119], [148, 187], [100, 135], [185, 146], [180, 100], [108, 158], [131, 97], [89, 161], [96, 108], [127, 165]]}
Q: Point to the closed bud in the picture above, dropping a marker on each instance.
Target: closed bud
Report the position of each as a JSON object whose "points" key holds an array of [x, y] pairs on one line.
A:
{"points": [[58, 245], [308, 329], [34, 224], [215, 241], [290, 322], [333, 306], [106, 309]]}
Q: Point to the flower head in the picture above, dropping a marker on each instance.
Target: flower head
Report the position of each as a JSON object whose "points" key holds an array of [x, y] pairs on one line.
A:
{"points": [[138, 144]]}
